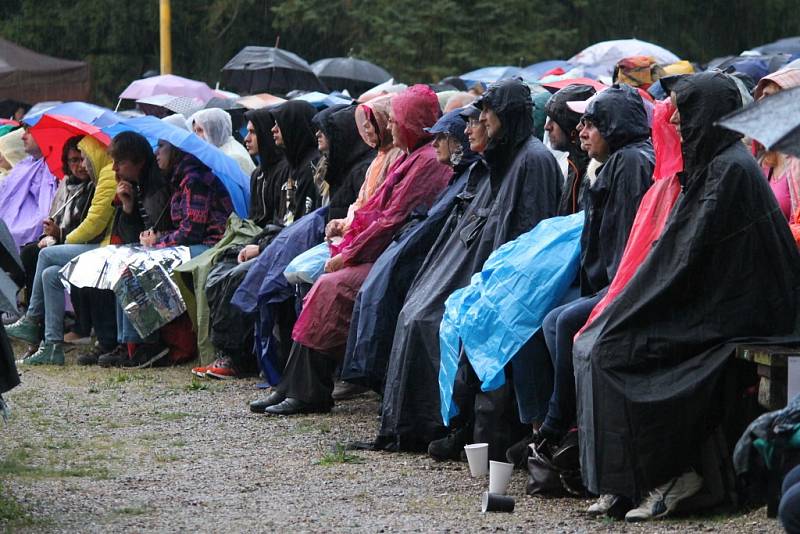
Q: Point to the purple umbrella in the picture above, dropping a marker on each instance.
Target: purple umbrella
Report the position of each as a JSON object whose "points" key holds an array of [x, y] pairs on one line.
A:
{"points": [[168, 84]]}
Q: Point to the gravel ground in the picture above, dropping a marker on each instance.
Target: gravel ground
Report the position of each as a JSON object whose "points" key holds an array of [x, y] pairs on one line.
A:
{"points": [[95, 450]]}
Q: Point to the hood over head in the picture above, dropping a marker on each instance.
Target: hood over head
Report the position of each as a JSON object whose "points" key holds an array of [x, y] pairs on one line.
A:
{"points": [[511, 100], [338, 123], [620, 115], [415, 109], [216, 124], [294, 120], [377, 111], [268, 152], [784, 78], [454, 125], [702, 100], [12, 147], [97, 153], [558, 110]]}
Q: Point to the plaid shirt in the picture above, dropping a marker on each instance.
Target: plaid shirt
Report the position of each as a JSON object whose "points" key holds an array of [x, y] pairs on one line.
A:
{"points": [[199, 207]]}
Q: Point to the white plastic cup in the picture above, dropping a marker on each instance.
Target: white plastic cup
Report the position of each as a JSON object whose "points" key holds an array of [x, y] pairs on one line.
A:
{"points": [[478, 458], [499, 477]]}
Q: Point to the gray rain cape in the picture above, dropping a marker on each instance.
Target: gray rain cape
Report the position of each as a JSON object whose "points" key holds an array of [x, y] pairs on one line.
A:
{"points": [[379, 301], [347, 160], [522, 188], [649, 367]]}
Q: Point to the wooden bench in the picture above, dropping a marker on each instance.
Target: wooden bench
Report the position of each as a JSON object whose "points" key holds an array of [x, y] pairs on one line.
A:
{"points": [[772, 366]]}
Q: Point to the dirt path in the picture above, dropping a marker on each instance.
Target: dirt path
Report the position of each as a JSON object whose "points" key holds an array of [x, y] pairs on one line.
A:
{"points": [[94, 450]]}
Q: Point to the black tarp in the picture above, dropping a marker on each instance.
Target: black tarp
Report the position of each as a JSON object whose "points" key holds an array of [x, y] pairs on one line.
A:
{"points": [[32, 77], [379, 301], [522, 188], [648, 368]]}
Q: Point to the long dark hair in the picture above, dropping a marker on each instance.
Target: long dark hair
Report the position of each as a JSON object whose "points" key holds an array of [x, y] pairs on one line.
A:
{"points": [[71, 144]]}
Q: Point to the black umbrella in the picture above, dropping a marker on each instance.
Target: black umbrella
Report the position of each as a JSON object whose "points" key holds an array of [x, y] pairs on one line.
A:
{"points": [[773, 121], [789, 45], [355, 75], [265, 69]]}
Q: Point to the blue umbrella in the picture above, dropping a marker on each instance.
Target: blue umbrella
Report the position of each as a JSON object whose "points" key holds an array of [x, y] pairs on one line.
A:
{"points": [[226, 169], [321, 100], [491, 74], [537, 70], [88, 113]]}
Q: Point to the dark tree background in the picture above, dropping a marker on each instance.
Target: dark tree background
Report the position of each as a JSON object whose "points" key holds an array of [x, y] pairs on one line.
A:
{"points": [[416, 40]]}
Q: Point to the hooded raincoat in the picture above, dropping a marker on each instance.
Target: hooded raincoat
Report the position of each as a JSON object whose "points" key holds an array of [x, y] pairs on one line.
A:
{"points": [[27, 194], [299, 193], [12, 150], [522, 187], [218, 131], [379, 301], [413, 183], [272, 172], [649, 368], [96, 223], [613, 198], [347, 160]]}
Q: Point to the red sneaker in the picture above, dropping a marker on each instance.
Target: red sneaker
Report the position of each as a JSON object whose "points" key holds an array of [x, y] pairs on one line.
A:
{"points": [[200, 371], [222, 369]]}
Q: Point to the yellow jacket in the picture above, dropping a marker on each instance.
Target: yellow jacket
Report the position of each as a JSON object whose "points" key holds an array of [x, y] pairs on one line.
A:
{"points": [[100, 216]]}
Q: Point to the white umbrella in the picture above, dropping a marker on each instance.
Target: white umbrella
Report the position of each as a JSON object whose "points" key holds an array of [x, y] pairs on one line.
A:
{"points": [[600, 58]]}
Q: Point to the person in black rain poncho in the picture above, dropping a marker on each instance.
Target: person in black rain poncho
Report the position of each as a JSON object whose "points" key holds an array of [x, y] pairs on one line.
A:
{"points": [[650, 366], [522, 188], [272, 171], [379, 301], [615, 132], [562, 132]]}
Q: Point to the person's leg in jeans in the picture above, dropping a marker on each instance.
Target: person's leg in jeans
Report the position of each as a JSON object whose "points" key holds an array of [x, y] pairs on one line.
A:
{"points": [[560, 327]]}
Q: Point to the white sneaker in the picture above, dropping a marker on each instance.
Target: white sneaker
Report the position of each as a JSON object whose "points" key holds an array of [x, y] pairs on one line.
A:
{"points": [[601, 505], [663, 500]]}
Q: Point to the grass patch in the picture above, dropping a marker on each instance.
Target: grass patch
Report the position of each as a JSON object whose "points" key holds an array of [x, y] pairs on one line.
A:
{"points": [[165, 458], [173, 416], [18, 464], [12, 514], [339, 455], [131, 510], [196, 385]]}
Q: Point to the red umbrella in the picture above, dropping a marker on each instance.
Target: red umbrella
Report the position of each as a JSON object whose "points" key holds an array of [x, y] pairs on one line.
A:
{"points": [[560, 84], [52, 132]]}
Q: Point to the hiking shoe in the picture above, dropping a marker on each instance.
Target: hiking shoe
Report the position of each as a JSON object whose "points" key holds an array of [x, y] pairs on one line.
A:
{"points": [[345, 390], [147, 355], [93, 356], [222, 369], [517, 454], [26, 329], [663, 500], [116, 358], [450, 446], [201, 371], [49, 353], [613, 506], [72, 338]]}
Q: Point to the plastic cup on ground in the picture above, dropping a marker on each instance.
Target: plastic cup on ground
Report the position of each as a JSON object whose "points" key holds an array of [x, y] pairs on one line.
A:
{"points": [[492, 502], [499, 477], [478, 458]]}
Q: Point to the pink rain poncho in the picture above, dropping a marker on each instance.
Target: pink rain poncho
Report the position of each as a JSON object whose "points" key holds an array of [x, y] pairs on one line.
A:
{"points": [[413, 182]]}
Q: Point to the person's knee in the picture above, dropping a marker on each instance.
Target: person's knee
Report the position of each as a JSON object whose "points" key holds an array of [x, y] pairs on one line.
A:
{"points": [[789, 509], [52, 276]]}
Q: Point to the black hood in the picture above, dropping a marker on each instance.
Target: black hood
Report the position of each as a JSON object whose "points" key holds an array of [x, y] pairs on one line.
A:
{"points": [[619, 114], [268, 151], [702, 100], [511, 101], [558, 111], [338, 123], [294, 120]]}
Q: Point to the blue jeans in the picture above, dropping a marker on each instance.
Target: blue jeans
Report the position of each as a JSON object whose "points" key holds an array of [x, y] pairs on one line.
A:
{"points": [[534, 373], [47, 293], [126, 332], [789, 509]]}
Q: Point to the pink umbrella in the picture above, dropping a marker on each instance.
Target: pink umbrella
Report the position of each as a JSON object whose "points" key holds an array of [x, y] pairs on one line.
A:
{"points": [[168, 84]]}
